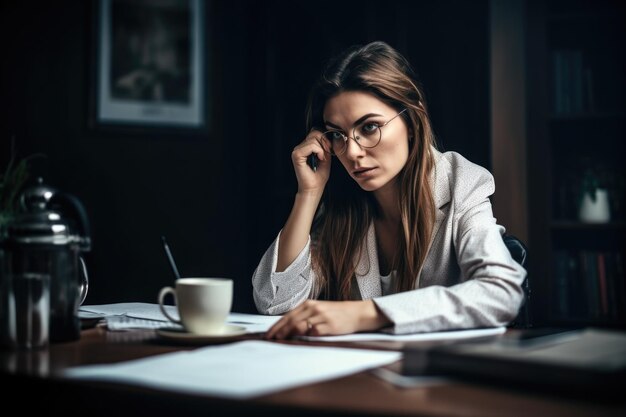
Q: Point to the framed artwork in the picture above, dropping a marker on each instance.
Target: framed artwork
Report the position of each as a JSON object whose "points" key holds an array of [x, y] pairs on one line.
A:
{"points": [[150, 64]]}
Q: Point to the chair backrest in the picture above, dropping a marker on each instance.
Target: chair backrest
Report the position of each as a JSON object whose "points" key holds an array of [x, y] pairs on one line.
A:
{"points": [[519, 253]]}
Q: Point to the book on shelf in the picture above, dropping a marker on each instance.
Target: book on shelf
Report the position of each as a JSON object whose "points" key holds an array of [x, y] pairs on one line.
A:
{"points": [[572, 82], [590, 277], [602, 281], [589, 285]]}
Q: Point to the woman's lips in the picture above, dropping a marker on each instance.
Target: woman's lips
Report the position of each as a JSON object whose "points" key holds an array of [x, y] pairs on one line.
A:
{"points": [[363, 172]]}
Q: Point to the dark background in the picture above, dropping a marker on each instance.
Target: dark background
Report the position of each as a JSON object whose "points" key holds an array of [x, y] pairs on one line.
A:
{"points": [[219, 197]]}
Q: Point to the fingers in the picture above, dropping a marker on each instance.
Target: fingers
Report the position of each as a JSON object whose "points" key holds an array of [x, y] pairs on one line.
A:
{"points": [[319, 329], [324, 143], [291, 324], [312, 144], [280, 325], [318, 318], [300, 321]]}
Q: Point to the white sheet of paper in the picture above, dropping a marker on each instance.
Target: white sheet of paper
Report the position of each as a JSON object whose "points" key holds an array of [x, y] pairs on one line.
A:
{"points": [[254, 323], [132, 316], [413, 337], [239, 370]]}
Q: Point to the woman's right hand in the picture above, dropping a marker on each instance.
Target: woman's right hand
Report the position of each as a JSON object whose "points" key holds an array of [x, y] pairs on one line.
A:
{"points": [[310, 181], [295, 234]]}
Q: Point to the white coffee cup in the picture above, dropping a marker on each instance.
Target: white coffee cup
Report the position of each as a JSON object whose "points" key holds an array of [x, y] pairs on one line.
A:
{"points": [[203, 303]]}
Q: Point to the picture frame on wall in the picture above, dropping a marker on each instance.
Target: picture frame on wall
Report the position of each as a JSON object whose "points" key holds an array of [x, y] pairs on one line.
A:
{"points": [[150, 65]]}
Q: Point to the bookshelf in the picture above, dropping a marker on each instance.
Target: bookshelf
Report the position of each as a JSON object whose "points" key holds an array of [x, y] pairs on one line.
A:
{"points": [[576, 95]]}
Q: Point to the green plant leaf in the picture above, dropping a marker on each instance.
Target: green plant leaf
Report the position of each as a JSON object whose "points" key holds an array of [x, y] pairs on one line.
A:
{"points": [[15, 176]]}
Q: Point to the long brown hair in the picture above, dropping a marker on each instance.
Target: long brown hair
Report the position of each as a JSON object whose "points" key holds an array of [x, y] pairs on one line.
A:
{"points": [[346, 211]]}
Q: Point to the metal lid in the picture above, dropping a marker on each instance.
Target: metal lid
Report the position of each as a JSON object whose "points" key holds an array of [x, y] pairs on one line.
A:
{"points": [[38, 224], [37, 197], [44, 227]]}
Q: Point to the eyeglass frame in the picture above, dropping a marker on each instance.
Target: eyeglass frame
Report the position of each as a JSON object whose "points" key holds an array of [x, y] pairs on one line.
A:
{"points": [[355, 138]]}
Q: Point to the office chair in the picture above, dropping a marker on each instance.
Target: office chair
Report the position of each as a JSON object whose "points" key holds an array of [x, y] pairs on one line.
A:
{"points": [[519, 253]]}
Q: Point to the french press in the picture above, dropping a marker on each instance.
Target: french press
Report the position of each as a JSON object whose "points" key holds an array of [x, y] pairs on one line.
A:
{"points": [[48, 236]]}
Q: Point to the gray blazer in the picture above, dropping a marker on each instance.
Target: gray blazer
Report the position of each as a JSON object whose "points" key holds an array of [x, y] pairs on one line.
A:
{"points": [[468, 279]]}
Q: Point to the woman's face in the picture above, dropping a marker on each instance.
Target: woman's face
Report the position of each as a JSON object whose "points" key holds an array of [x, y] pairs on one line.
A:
{"points": [[372, 168]]}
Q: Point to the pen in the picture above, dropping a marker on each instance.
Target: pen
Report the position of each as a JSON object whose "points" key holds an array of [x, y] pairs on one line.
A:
{"points": [[170, 258], [312, 161]]}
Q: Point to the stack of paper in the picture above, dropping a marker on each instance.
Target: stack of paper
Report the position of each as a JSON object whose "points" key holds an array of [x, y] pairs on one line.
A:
{"points": [[131, 316]]}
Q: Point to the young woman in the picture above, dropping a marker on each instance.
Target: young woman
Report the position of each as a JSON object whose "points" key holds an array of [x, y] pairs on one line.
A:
{"points": [[409, 243]]}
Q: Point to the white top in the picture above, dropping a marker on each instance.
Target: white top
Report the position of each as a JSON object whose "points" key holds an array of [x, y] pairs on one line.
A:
{"points": [[385, 282]]}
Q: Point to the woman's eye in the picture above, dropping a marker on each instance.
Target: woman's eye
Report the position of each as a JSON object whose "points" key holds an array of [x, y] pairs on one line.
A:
{"points": [[336, 136], [369, 128]]}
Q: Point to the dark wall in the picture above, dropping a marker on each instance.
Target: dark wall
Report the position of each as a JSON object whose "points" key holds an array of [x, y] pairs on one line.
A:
{"points": [[219, 198]]}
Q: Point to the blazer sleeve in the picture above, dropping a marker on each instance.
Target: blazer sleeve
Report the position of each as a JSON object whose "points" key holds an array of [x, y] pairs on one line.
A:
{"points": [[489, 291], [279, 292]]}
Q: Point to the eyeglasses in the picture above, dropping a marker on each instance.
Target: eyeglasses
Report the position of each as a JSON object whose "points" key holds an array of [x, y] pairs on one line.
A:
{"points": [[366, 135]]}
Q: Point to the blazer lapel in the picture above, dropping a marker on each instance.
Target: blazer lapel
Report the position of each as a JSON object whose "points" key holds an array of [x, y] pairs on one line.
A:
{"points": [[441, 190], [441, 197]]}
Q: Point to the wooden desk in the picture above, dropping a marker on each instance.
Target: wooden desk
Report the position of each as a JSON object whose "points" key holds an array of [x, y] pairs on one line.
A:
{"points": [[32, 375]]}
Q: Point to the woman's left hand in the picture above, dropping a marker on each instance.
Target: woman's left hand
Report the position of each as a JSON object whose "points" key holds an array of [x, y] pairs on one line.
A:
{"points": [[319, 318]]}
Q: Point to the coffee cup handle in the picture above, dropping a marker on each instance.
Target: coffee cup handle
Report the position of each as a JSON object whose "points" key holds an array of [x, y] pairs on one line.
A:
{"points": [[162, 294]]}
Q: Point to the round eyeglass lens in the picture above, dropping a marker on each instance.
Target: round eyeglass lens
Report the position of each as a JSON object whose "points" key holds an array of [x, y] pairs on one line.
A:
{"points": [[335, 142], [367, 134]]}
